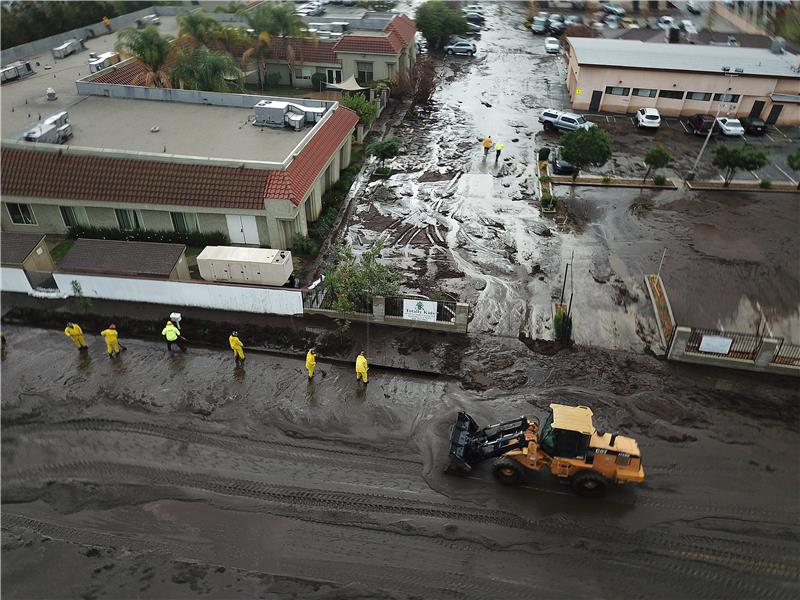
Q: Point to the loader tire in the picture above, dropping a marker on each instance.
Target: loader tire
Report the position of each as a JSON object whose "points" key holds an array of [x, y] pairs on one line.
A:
{"points": [[589, 484], [508, 471]]}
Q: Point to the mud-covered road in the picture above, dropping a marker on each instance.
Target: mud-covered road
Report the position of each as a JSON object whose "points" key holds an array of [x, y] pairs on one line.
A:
{"points": [[157, 477], [470, 227]]}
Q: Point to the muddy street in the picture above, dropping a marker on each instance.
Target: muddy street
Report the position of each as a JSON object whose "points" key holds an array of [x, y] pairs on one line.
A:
{"points": [[470, 227], [157, 476]]}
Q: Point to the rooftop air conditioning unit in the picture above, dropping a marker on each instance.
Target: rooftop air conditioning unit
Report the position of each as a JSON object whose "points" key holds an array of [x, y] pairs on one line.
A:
{"points": [[777, 45]]}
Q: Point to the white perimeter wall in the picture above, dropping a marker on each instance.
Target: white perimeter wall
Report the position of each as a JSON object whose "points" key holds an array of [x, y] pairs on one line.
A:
{"points": [[14, 280], [275, 301]]}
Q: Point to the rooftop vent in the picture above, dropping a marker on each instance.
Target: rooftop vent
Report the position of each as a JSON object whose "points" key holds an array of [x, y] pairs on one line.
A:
{"points": [[777, 45]]}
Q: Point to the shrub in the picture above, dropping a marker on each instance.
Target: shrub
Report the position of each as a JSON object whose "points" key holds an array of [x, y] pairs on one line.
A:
{"points": [[215, 238], [606, 179], [765, 184], [318, 81], [563, 326], [383, 170], [364, 108], [303, 245], [545, 179], [659, 180], [273, 79]]}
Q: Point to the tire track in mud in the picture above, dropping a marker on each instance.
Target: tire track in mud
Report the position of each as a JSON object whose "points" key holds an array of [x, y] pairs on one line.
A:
{"points": [[234, 443], [432, 582], [687, 548]]}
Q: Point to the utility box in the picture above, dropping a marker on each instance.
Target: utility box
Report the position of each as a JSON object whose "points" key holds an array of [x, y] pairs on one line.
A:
{"points": [[262, 266], [69, 47], [16, 70], [103, 61]]}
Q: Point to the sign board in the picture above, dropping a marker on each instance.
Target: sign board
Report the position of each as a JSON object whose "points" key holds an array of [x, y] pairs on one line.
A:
{"points": [[419, 310], [715, 344]]}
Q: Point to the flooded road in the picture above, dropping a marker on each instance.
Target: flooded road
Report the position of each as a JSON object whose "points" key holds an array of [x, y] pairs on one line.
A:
{"points": [[469, 226], [177, 476]]}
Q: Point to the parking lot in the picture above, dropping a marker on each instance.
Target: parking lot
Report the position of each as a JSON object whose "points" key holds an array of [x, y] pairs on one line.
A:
{"points": [[630, 144]]}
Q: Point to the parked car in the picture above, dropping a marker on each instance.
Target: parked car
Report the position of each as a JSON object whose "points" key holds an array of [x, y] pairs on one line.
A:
{"points": [[647, 118], [754, 126], [701, 124], [630, 23], [730, 126], [461, 47], [555, 18], [612, 22], [652, 23], [473, 8], [666, 22], [473, 29], [552, 45], [688, 26], [559, 165], [543, 14], [614, 9], [555, 119], [556, 28], [573, 20], [539, 25], [474, 17], [693, 7]]}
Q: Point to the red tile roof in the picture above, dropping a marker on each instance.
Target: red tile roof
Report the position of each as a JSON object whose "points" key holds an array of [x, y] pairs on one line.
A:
{"points": [[404, 26], [121, 75], [319, 52], [369, 44], [296, 180], [40, 174]]}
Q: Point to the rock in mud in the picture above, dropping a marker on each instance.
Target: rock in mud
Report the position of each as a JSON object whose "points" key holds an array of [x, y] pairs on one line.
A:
{"points": [[542, 230]]}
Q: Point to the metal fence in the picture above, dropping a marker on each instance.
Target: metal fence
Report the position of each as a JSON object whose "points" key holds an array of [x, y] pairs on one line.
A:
{"points": [[317, 298], [745, 346], [445, 309], [787, 354]]}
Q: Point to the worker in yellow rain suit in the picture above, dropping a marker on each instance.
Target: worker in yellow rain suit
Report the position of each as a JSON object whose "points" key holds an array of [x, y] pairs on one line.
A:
{"points": [[75, 333], [112, 340], [361, 368], [236, 346], [311, 362]]}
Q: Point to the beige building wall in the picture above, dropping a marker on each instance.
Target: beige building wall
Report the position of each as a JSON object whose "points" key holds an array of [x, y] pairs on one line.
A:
{"points": [[379, 64], [583, 81], [39, 260]]}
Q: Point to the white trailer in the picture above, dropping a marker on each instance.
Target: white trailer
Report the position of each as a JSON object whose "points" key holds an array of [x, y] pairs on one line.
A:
{"points": [[15, 70], [263, 266], [103, 61], [71, 46]]}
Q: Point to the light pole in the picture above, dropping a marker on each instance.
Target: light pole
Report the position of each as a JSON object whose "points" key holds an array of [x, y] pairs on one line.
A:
{"points": [[726, 70]]}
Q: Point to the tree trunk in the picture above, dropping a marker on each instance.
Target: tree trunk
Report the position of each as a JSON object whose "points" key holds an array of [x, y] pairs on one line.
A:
{"points": [[729, 176], [646, 174]]}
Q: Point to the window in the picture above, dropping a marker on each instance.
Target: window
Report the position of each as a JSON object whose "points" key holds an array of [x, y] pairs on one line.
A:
{"points": [[184, 222], [334, 76], [726, 97], [623, 460], [363, 72], [568, 120], [73, 216], [304, 73], [675, 95], [390, 70], [698, 96], [128, 219], [644, 92], [21, 214], [618, 91]]}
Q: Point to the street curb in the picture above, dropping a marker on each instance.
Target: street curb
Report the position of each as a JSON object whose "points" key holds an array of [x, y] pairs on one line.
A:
{"points": [[655, 310], [740, 187], [671, 185]]}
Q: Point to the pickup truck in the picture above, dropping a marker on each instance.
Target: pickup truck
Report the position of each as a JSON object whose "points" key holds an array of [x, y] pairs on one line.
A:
{"points": [[555, 119]]}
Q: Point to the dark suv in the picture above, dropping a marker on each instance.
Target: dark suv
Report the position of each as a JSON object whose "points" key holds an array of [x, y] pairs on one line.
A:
{"points": [[754, 126], [701, 124], [559, 165]]}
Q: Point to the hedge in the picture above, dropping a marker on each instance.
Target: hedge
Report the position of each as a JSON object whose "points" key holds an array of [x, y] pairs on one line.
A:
{"points": [[216, 238]]}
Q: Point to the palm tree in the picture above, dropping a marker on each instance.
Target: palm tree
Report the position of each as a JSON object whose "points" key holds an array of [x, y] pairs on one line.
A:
{"points": [[232, 38], [207, 70], [270, 20], [150, 50], [197, 28]]}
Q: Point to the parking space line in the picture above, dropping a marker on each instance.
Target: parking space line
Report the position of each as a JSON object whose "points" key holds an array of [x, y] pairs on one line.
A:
{"points": [[789, 177], [755, 175], [685, 130], [775, 127], [770, 137]]}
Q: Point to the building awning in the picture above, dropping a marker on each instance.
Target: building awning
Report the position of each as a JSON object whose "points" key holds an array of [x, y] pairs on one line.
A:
{"points": [[348, 85], [791, 99]]}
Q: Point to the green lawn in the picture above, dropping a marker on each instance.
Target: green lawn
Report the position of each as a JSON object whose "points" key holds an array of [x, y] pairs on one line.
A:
{"points": [[59, 251]]}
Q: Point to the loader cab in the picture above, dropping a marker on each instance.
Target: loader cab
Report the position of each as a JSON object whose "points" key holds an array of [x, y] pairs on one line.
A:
{"points": [[567, 431]]}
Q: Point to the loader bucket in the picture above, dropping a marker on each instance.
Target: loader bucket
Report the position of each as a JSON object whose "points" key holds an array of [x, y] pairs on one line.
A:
{"points": [[461, 433]]}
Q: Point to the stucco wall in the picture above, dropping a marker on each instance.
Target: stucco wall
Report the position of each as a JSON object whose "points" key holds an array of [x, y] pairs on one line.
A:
{"points": [[589, 79], [48, 220], [13, 279], [252, 299], [379, 70], [210, 222]]}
